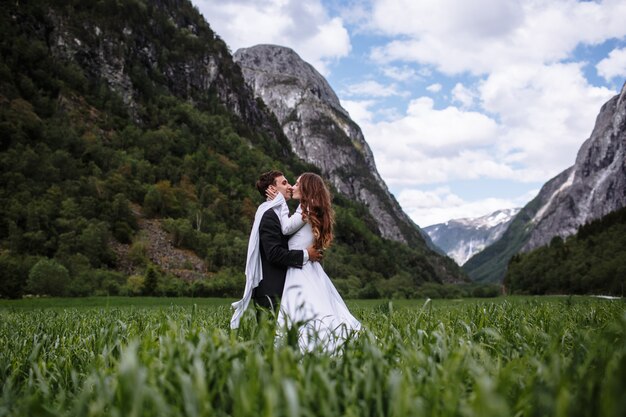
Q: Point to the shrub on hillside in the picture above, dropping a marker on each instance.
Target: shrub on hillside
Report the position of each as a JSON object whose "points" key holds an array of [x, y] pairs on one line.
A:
{"points": [[48, 277]]}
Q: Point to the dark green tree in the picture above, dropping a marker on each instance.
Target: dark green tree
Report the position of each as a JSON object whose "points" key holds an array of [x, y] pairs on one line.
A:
{"points": [[151, 281], [48, 277]]}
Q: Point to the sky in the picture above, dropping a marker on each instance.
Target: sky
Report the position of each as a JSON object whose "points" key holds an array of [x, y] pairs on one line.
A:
{"points": [[469, 106]]}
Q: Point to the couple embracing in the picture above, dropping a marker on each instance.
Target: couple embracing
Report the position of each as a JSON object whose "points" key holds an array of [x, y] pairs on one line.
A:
{"points": [[283, 272]]}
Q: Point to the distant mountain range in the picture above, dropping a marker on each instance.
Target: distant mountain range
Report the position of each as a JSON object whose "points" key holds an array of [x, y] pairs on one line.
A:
{"points": [[590, 189], [460, 239]]}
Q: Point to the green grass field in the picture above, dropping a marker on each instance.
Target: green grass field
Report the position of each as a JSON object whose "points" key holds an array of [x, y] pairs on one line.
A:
{"points": [[516, 356]]}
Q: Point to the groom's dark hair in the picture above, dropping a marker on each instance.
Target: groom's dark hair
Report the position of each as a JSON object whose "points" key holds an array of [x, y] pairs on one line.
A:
{"points": [[266, 179]]}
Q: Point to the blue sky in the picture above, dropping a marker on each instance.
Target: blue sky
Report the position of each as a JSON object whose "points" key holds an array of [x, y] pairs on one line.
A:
{"points": [[469, 106]]}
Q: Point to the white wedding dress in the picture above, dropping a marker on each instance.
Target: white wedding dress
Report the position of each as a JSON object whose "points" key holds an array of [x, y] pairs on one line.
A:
{"points": [[310, 303]]}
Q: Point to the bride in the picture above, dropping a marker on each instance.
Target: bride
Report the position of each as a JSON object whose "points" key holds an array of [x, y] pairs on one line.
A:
{"points": [[310, 304]]}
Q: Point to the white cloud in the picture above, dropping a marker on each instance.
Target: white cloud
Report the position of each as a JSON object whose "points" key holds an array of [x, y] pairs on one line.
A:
{"points": [[303, 26], [440, 205], [373, 88], [428, 145], [329, 43], [546, 113], [403, 73], [359, 110], [463, 95], [434, 88], [353, 12], [614, 65], [407, 167], [484, 35], [425, 132], [478, 18]]}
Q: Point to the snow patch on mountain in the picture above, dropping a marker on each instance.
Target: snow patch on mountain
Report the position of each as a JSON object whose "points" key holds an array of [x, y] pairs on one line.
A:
{"points": [[462, 238]]}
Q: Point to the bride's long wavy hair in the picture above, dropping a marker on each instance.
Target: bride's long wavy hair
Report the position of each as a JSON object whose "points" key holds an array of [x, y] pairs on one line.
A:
{"points": [[317, 208]]}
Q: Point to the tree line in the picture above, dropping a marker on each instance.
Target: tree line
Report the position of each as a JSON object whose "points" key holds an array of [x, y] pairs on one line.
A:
{"points": [[593, 261]]}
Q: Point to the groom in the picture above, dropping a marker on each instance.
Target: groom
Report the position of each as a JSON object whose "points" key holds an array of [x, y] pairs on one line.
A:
{"points": [[268, 252]]}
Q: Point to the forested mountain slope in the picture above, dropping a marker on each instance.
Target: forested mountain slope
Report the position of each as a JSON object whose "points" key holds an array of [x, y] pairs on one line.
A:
{"points": [[593, 261], [116, 111]]}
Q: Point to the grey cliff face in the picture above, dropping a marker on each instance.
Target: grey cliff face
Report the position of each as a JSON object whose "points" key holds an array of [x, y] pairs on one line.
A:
{"points": [[321, 132], [594, 186]]}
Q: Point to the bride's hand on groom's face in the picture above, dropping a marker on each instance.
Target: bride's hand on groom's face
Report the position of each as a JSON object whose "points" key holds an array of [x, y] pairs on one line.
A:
{"points": [[271, 193]]}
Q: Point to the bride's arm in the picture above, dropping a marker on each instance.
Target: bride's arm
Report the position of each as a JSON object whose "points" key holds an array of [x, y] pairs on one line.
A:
{"points": [[289, 225]]}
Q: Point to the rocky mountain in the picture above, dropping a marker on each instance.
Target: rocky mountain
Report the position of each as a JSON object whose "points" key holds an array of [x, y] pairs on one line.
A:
{"points": [[321, 132], [463, 238], [590, 189]]}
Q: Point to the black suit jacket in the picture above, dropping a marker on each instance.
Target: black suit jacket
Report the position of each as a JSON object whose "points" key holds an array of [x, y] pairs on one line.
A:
{"points": [[275, 259]]}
